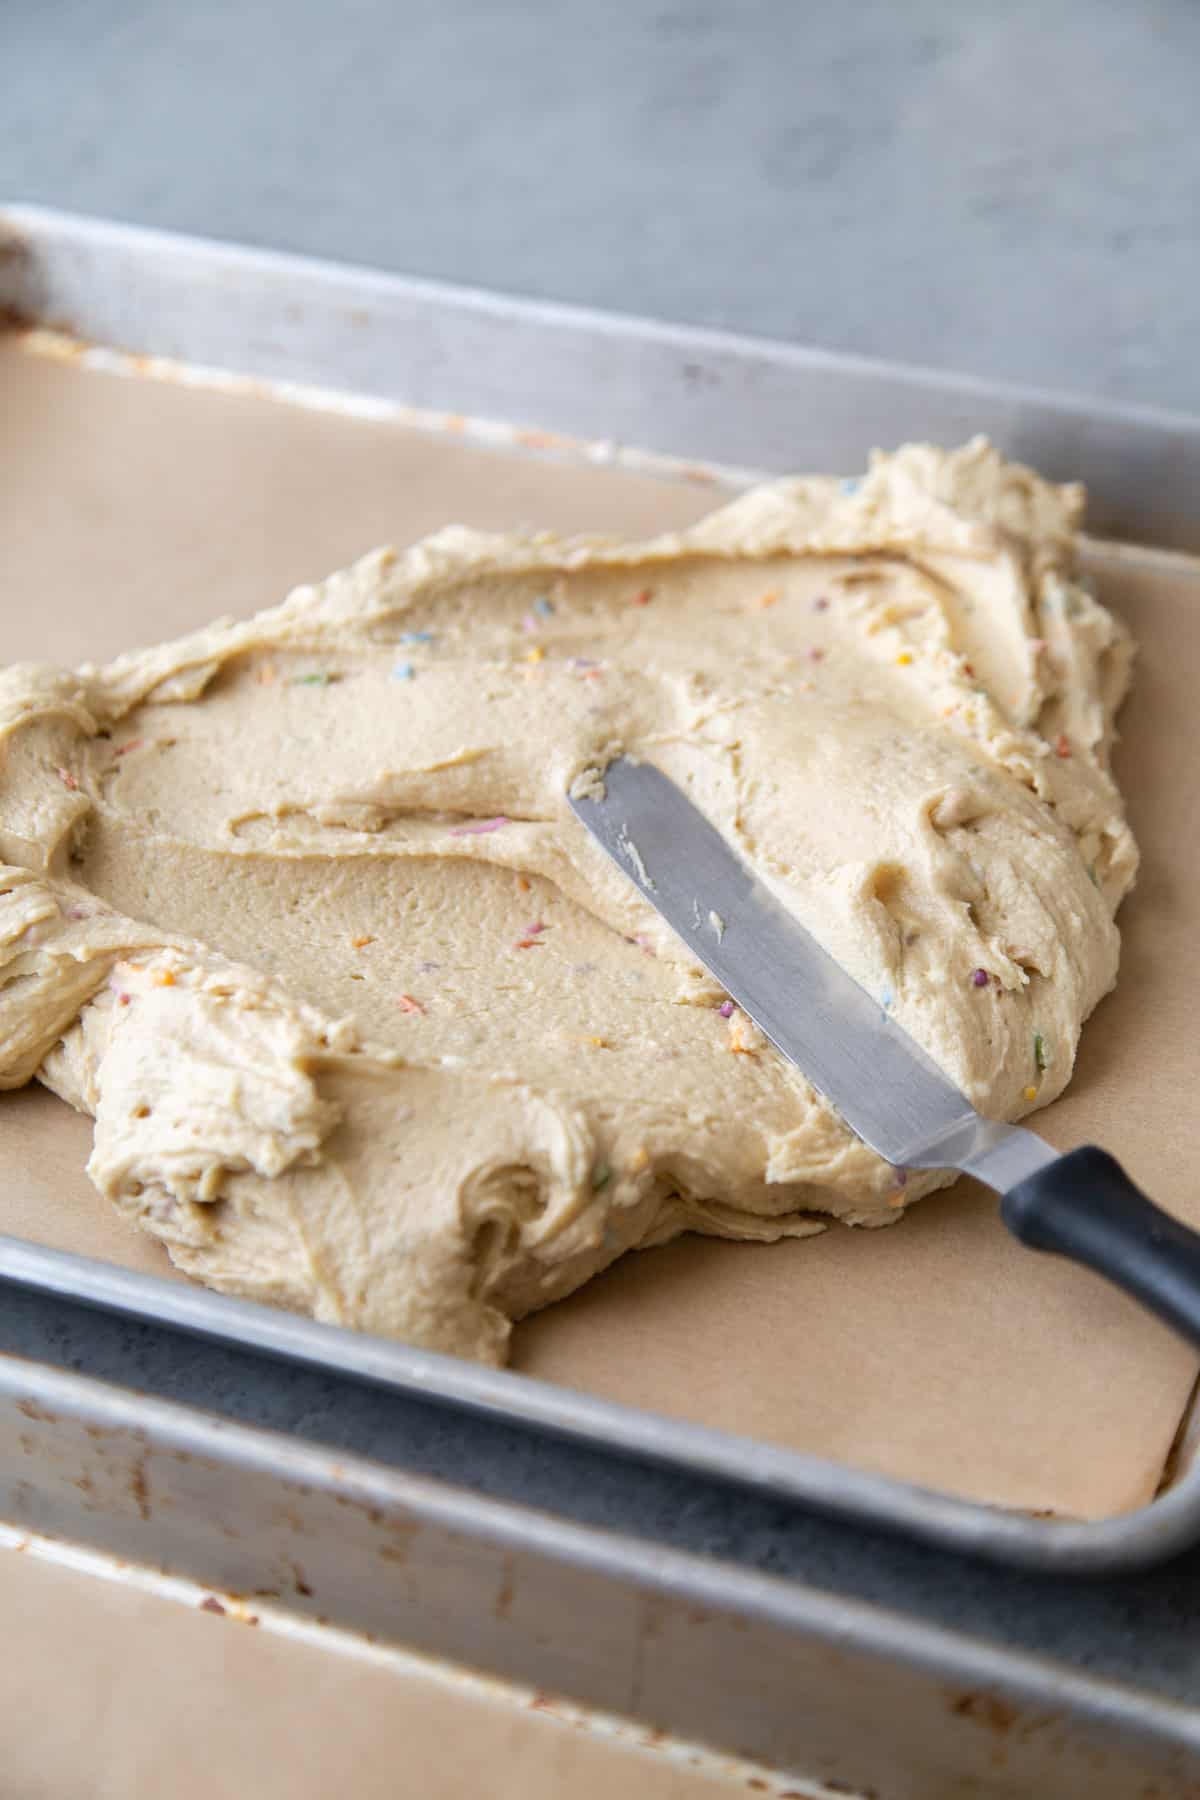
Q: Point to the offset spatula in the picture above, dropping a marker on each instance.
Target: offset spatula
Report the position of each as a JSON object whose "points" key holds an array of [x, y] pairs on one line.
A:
{"points": [[1081, 1205]]}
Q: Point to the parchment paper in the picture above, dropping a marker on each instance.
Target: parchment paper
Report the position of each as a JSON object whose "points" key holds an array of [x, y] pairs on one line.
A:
{"points": [[936, 1350], [152, 1696]]}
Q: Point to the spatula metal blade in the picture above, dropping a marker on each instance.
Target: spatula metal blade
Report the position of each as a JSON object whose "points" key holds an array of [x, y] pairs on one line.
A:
{"points": [[888, 1090]]}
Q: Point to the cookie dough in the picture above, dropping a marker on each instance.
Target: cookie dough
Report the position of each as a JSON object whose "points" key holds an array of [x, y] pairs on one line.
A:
{"points": [[295, 908]]}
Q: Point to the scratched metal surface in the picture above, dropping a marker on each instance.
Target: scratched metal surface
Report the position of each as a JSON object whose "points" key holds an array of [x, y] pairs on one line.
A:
{"points": [[782, 1671]]}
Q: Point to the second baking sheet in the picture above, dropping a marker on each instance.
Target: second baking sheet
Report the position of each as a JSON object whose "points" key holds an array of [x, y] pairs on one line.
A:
{"points": [[937, 1351]]}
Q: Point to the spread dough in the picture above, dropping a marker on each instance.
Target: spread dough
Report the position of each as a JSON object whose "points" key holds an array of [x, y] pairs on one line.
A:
{"points": [[369, 1027]]}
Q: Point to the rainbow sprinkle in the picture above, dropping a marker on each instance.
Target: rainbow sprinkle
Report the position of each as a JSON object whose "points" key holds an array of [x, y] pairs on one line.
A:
{"points": [[416, 637], [1031, 1094], [68, 780], [601, 1176], [543, 606], [480, 827], [404, 672], [1041, 1056], [980, 978], [821, 603], [726, 1009], [319, 678], [409, 1005]]}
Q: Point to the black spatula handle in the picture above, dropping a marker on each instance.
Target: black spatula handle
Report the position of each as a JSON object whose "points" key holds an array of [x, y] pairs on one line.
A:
{"points": [[1085, 1207]]}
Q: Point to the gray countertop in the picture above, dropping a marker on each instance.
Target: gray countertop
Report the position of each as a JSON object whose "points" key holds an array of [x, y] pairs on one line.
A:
{"points": [[942, 185], [1006, 191]]}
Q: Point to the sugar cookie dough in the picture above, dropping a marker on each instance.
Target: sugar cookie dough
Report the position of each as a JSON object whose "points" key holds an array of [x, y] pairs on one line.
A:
{"points": [[296, 910]]}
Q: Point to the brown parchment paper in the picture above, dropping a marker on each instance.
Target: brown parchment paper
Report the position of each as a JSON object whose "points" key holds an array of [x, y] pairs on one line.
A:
{"points": [[151, 1696], [937, 1350]]}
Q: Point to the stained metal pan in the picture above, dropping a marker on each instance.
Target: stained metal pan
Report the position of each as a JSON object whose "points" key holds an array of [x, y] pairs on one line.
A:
{"points": [[597, 381], [826, 1695]]}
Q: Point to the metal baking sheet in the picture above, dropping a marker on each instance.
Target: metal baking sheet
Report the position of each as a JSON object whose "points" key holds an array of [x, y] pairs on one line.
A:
{"points": [[589, 381], [703, 1654], [383, 1706]]}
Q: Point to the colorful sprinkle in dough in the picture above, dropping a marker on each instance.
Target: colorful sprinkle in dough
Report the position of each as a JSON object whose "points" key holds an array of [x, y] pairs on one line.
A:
{"points": [[543, 606], [980, 978], [416, 637], [433, 1166], [404, 672]]}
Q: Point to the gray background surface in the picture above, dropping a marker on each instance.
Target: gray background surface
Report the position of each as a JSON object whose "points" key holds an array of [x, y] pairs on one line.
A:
{"points": [[1010, 191]]}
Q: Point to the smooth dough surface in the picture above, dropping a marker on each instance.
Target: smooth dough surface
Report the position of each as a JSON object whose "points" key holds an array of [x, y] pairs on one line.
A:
{"points": [[296, 909]]}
